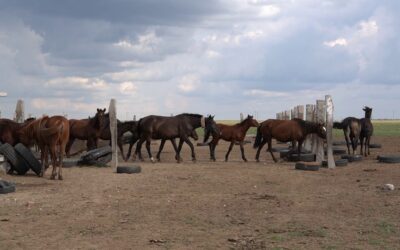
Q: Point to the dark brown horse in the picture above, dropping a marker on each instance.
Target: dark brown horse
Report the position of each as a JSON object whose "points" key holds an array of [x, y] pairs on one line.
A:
{"points": [[51, 134], [167, 128], [86, 129], [367, 129], [293, 131], [231, 133], [351, 128], [122, 128]]}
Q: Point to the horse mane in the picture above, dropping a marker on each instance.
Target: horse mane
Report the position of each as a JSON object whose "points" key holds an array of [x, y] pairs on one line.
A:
{"points": [[304, 124], [191, 115]]}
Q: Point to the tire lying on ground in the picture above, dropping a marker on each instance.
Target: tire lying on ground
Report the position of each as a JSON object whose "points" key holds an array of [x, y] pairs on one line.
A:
{"points": [[129, 170], [308, 166], [303, 157], [352, 158], [389, 158], [96, 153], [17, 162], [71, 162], [6, 187], [339, 143], [375, 145], [26, 153], [338, 163]]}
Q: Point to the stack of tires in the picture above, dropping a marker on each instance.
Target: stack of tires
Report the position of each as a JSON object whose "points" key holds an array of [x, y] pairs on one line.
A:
{"points": [[20, 159]]}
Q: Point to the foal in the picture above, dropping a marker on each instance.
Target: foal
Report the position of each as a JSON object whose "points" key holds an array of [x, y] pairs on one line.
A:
{"points": [[231, 133]]}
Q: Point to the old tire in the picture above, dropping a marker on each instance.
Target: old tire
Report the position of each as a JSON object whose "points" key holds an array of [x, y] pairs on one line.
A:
{"points": [[280, 149], [6, 187], [338, 163], [67, 163], [389, 158], [352, 158], [375, 145], [129, 170], [26, 153], [17, 162], [302, 157], [308, 166], [96, 153]]}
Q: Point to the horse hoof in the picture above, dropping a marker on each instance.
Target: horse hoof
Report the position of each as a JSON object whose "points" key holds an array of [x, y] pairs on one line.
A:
{"points": [[226, 160], [152, 160], [60, 177], [257, 160], [53, 177], [245, 160]]}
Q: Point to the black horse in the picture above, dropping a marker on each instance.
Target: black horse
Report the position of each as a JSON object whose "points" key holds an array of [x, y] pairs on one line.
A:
{"points": [[351, 128], [367, 129], [122, 128], [169, 128]]}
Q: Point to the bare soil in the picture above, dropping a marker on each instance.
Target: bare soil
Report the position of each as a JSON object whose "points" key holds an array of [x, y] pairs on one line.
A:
{"points": [[208, 205]]}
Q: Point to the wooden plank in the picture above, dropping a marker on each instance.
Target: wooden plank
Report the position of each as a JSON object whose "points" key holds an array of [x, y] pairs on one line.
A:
{"points": [[113, 128], [329, 127], [319, 142]]}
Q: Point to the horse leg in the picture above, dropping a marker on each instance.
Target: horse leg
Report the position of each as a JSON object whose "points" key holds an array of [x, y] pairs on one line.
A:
{"points": [[179, 159], [43, 157], [160, 149], [138, 150], [300, 142], [130, 149], [346, 137], [68, 147], [367, 142], [175, 148], [263, 142], [242, 150], [53, 161], [270, 149], [229, 150], [148, 141], [187, 140], [361, 144], [121, 148]]}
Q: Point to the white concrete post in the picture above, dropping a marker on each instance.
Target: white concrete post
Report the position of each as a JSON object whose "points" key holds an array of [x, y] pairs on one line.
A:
{"points": [[19, 111], [329, 127], [114, 133], [310, 110], [319, 142]]}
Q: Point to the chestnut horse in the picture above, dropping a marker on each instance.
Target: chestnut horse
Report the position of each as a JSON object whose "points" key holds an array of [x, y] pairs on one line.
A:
{"points": [[51, 134], [86, 129], [231, 133], [351, 128], [367, 129], [293, 131]]}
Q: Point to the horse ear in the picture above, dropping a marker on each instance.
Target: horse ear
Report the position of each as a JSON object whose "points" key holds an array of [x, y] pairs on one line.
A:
{"points": [[104, 110], [98, 110]]}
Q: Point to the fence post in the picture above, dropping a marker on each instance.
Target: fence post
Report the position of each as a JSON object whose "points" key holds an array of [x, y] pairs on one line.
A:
{"points": [[19, 111], [114, 133], [310, 110], [241, 117], [329, 127], [318, 145]]}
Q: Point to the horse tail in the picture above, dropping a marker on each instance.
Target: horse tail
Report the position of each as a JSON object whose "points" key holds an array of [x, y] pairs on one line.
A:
{"points": [[338, 125], [258, 139]]}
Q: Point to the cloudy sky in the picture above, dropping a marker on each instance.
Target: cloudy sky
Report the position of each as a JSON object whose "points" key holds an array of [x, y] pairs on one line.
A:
{"points": [[220, 57]]}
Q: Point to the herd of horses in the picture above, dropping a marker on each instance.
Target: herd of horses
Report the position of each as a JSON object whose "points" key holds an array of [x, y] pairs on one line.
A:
{"points": [[55, 135]]}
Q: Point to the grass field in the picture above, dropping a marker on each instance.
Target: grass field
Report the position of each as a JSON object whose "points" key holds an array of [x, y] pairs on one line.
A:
{"points": [[381, 128]]}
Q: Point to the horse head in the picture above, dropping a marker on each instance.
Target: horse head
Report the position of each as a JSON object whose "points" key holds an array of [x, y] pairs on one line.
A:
{"points": [[210, 127], [252, 122], [368, 111], [321, 130], [100, 117]]}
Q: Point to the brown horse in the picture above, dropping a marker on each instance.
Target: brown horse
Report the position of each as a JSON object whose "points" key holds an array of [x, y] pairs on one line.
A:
{"points": [[9, 131], [367, 129], [351, 128], [51, 134], [293, 131], [86, 129], [231, 133]]}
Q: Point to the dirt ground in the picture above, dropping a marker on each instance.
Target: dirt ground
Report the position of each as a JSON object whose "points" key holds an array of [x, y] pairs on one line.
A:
{"points": [[207, 205]]}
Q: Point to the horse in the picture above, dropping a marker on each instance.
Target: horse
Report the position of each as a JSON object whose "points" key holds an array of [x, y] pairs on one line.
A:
{"points": [[122, 128], [51, 134], [351, 128], [231, 133], [163, 127], [367, 129], [86, 129], [9, 131], [295, 130]]}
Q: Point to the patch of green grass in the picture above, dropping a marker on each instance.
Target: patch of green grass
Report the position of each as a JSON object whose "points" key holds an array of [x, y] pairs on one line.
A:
{"points": [[386, 229]]}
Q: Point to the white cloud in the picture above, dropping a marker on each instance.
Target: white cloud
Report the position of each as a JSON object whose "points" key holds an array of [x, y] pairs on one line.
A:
{"points": [[337, 42], [127, 88], [368, 28], [78, 83], [147, 42], [189, 83], [269, 11]]}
